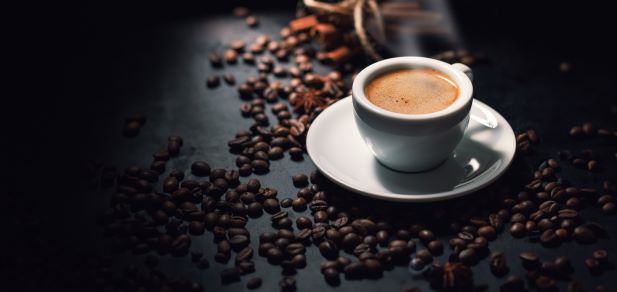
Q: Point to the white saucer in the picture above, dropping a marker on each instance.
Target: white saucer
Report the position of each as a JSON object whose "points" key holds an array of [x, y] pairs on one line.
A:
{"points": [[486, 151]]}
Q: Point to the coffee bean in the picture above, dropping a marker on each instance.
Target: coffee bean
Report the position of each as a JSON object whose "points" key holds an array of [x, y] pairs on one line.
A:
{"points": [[287, 284], [271, 206], [549, 238], [216, 60], [230, 275], [517, 230], [593, 265], [583, 234], [200, 168], [300, 180], [468, 256], [512, 284], [331, 275], [544, 283], [180, 245], [576, 131], [529, 260], [601, 255], [488, 232], [197, 228], [244, 255], [286, 203], [296, 153], [592, 165], [260, 166], [170, 184], [213, 81], [299, 204], [351, 240], [435, 247], [253, 283], [373, 268], [498, 264], [238, 242], [254, 209], [354, 270], [328, 249], [563, 263], [426, 235], [417, 264], [424, 255], [274, 255], [303, 222]]}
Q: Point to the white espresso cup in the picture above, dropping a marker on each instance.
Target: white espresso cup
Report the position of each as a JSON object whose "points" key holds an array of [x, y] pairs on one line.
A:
{"points": [[412, 142]]}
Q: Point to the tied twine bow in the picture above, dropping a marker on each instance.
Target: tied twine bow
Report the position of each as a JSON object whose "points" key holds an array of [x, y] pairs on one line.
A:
{"points": [[354, 8]]}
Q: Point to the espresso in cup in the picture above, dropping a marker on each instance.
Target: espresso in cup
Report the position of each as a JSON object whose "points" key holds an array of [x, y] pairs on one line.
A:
{"points": [[412, 91]]}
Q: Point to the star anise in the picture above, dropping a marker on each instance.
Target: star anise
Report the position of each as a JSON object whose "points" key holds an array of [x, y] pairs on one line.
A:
{"points": [[308, 100]]}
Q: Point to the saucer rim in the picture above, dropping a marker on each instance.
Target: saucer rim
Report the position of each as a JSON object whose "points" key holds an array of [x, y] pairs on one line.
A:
{"points": [[428, 197]]}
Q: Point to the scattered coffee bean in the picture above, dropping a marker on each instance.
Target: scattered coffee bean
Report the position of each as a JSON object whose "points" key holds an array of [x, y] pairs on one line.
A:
{"points": [[253, 283]]}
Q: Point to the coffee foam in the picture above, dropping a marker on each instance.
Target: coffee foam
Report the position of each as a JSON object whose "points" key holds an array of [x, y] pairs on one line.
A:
{"points": [[412, 91]]}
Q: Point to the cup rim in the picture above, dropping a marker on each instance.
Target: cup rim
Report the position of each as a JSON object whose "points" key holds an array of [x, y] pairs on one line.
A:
{"points": [[380, 67]]}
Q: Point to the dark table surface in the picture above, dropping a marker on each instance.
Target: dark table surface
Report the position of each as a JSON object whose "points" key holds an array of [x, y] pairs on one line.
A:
{"points": [[159, 67]]}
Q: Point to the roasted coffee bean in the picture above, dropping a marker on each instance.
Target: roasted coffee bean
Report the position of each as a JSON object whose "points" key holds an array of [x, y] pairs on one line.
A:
{"points": [[170, 184], [544, 283], [549, 238], [213, 81], [563, 264], [351, 240], [498, 264], [417, 264], [583, 234], [238, 242], [254, 209], [260, 166], [200, 168], [296, 153], [529, 260], [244, 255], [334, 235], [517, 229], [294, 249], [488, 232], [299, 204], [331, 275], [274, 255], [424, 255], [426, 235], [512, 284], [216, 60], [275, 153], [271, 206], [197, 228], [435, 247], [230, 275], [304, 234], [320, 216], [318, 233], [286, 203], [593, 265], [468, 256], [287, 284], [328, 249], [364, 226], [354, 270], [601, 255], [180, 245], [373, 268], [222, 258], [303, 222], [300, 180], [253, 283]]}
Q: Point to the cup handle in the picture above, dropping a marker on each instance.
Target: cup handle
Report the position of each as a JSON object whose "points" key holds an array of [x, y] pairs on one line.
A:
{"points": [[465, 69]]}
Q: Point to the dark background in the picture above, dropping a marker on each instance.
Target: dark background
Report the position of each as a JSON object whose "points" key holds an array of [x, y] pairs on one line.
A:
{"points": [[82, 67]]}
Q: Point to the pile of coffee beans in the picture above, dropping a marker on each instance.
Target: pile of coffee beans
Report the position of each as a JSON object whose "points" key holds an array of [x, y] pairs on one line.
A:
{"points": [[155, 209]]}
